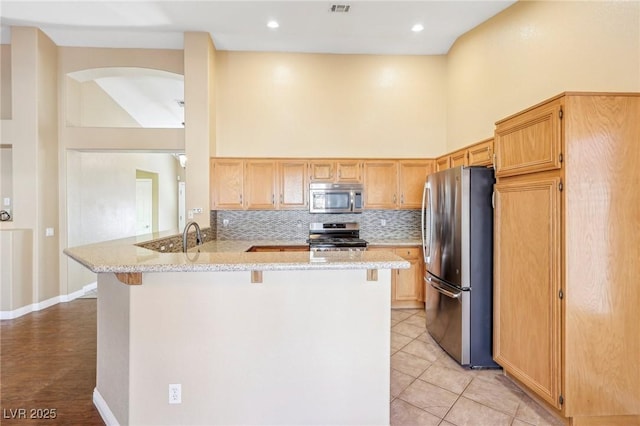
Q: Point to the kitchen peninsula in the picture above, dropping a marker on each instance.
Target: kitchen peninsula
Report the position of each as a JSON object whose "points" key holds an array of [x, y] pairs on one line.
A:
{"points": [[250, 337]]}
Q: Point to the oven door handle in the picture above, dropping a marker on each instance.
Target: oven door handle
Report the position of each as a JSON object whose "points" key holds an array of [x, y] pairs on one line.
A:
{"points": [[440, 287]]}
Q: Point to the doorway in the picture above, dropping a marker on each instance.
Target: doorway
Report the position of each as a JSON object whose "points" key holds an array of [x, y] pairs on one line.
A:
{"points": [[146, 202]]}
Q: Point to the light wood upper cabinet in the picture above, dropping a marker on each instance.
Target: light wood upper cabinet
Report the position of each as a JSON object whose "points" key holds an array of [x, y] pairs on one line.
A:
{"points": [[412, 174], [443, 163], [529, 142], [349, 171], [293, 184], [321, 171], [260, 184], [343, 171], [481, 154], [527, 282], [283, 183], [227, 183], [380, 184], [459, 158]]}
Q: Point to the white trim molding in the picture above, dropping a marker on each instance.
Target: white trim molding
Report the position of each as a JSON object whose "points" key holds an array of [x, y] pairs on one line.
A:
{"points": [[38, 306], [103, 409]]}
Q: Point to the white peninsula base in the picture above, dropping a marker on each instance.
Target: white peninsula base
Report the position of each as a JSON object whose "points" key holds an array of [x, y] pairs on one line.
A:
{"points": [[302, 347]]}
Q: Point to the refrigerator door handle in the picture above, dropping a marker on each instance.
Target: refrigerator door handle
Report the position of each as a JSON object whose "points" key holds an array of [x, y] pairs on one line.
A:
{"points": [[438, 285], [426, 256]]}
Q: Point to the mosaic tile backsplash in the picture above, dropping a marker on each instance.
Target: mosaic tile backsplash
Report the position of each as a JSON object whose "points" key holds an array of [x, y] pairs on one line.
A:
{"points": [[294, 224]]}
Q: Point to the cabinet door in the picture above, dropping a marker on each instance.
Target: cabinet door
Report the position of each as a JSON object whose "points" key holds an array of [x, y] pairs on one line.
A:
{"points": [[458, 158], [412, 176], [380, 184], [481, 154], [348, 171], [529, 142], [293, 186], [321, 171], [408, 283], [443, 163], [527, 323], [260, 184], [226, 185]]}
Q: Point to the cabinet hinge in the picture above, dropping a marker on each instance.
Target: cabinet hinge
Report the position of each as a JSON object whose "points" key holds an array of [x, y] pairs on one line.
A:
{"points": [[561, 294], [561, 399], [560, 186], [560, 158], [560, 113]]}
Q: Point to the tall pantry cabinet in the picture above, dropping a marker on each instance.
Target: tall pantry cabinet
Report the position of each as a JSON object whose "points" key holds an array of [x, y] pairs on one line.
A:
{"points": [[567, 254]]}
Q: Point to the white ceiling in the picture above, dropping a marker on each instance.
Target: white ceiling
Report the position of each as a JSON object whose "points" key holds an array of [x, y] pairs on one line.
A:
{"points": [[370, 27]]}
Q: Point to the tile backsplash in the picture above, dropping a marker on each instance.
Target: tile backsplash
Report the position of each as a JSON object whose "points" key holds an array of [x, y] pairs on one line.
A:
{"points": [[294, 224]]}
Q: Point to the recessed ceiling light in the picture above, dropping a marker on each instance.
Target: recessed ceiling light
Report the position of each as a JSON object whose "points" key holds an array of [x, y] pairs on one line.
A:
{"points": [[273, 24], [417, 28]]}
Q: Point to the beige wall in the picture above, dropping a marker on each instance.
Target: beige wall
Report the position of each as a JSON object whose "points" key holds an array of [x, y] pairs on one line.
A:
{"points": [[200, 117], [535, 50], [75, 231], [35, 154], [88, 105], [101, 200], [5, 81], [305, 105], [16, 271]]}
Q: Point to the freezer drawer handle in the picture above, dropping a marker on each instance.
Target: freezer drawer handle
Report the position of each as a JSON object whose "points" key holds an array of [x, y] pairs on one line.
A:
{"points": [[444, 291]]}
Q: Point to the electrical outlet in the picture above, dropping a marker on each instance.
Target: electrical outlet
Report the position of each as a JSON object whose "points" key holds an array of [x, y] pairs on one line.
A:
{"points": [[197, 210], [225, 222], [6, 201], [383, 222], [175, 393], [48, 232]]}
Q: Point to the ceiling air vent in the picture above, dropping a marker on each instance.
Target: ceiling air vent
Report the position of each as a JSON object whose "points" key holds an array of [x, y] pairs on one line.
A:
{"points": [[340, 8]]}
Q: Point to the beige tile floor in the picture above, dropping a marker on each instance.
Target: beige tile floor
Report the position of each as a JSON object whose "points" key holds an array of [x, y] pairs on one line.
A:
{"points": [[429, 388]]}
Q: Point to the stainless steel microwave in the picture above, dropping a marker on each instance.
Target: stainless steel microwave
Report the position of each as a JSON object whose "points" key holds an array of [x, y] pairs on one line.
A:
{"points": [[335, 198]]}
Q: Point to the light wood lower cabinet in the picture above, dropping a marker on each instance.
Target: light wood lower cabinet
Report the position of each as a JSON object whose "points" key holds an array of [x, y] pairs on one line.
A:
{"points": [[567, 250], [406, 284], [527, 282]]}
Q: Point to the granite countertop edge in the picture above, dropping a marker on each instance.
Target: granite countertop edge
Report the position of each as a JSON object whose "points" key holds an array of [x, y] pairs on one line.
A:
{"points": [[124, 256]]}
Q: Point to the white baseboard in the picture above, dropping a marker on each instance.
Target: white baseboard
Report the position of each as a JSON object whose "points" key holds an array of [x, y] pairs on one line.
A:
{"points": [[47, 303], [103, 409]]}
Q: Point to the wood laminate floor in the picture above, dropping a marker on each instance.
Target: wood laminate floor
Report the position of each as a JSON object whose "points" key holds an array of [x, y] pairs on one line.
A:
{"points": [[48, 362]]}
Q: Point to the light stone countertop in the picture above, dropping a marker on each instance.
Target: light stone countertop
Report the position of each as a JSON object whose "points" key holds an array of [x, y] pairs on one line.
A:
{"points": [[123, 256]]}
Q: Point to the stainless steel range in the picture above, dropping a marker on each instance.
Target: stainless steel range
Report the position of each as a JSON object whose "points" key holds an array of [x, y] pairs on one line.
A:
{"points": [[337, 236]]}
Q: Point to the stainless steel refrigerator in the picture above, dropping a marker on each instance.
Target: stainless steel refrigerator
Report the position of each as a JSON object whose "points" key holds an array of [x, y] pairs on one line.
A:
{"points": [[457, 239]]}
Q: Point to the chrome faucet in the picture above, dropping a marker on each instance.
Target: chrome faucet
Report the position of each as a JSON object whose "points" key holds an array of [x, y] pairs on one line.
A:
{"points": [[186, 232]]}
